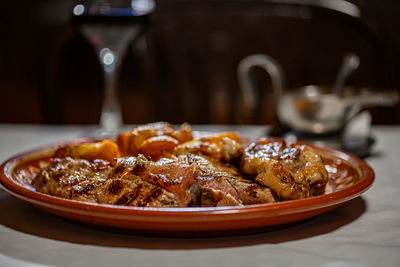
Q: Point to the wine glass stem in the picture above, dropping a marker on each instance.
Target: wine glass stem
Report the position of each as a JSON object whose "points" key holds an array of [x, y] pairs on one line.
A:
{"points": [[111, 117]]}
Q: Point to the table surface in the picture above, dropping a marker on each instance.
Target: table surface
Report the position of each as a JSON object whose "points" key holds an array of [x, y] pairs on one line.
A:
{"points": [[362, 232]]}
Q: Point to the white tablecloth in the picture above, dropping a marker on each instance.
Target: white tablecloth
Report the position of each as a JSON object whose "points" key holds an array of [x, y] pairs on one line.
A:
{"points": [[363, 232]]}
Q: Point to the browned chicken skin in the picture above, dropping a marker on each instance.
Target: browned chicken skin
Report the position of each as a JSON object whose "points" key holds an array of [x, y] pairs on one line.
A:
{"points": [[292, 171]]}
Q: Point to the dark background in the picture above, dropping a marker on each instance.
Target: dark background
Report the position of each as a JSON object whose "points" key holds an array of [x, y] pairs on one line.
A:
{"points": [[184, 67]]}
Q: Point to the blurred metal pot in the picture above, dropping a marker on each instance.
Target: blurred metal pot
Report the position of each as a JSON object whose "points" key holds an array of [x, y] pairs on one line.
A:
{"points": [[313, 108]]}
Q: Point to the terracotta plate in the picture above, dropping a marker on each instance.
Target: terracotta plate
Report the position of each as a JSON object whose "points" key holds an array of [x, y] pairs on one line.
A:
{"points": [[349, 177]]}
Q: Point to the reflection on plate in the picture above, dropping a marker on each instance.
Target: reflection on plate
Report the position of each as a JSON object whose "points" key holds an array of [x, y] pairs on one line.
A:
{"points": [[349, 176]]}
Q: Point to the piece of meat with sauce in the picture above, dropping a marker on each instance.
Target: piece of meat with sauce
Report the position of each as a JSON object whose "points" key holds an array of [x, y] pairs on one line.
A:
{"points": [[153, 139], [292, 171], [105, 149], [224, 147], [132, 181], [220, 184], [217, 182]]}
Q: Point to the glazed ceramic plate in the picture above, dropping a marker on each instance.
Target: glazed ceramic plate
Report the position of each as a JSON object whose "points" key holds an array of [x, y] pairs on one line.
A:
{"points": [[349, 176]]}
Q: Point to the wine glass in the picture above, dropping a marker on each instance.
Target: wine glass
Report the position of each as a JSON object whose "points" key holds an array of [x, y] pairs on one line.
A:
{"points": [[110, 26]]}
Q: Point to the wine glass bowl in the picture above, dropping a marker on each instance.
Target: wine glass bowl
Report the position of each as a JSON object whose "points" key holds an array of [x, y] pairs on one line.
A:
{"points": [[110, 26]]}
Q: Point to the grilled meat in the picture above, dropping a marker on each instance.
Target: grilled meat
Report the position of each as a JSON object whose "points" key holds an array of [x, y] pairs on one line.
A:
{"points": [[218, 182], [292, 171], [132, 181], [164, 167], [221, 184]]}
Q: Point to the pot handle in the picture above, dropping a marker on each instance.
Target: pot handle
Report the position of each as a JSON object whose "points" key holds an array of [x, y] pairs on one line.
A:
{"points": [[384, 98], [270, 65]]}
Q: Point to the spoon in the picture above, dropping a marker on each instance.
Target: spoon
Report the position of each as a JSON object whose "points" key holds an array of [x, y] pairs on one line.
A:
{"points": [[350, 63]]}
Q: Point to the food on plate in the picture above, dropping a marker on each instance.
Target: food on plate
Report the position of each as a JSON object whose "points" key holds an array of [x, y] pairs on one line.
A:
{"points": [[292, 171], [153, 139], [131, 181], [220, 184], [224, 147], [105, 149], [155, 165]]}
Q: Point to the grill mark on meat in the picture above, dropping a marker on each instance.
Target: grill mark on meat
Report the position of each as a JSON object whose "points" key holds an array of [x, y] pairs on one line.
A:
{"points": [[153, 195], [115, 187], [134, 194], [139, 168], [79, 190], [127, 198], [122, 200], [119, 169]]}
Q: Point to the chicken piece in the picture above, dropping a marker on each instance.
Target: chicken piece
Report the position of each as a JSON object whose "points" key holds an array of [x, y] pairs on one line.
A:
{"points": [[153, 139], [130, 181], [292, 171], [220, 184], [106, 150], [224, 147]]}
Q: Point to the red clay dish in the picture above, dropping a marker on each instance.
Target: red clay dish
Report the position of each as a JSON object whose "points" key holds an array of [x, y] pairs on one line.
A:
{"points": [[349, 178]]}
